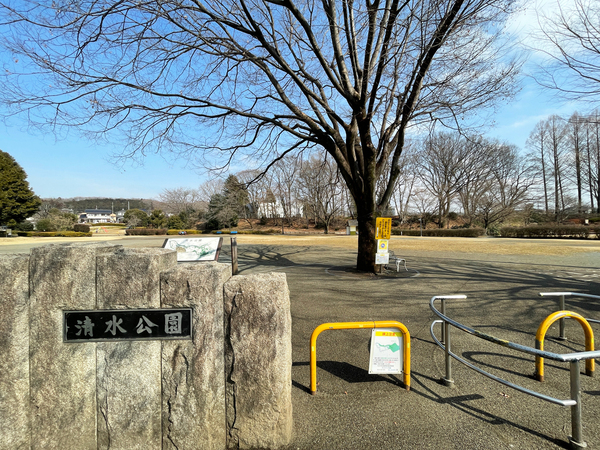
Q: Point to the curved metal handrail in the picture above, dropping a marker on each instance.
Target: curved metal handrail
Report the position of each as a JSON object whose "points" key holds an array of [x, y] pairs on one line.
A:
{"points": [[562, 307], [567, 357], [557, 401], [573, 359], [571, 294]]}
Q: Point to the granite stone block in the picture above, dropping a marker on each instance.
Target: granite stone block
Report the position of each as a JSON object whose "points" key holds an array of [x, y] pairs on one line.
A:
{"points": [[193, 371], [129, 373], [62, 375], [14, 352], [258, 361]]}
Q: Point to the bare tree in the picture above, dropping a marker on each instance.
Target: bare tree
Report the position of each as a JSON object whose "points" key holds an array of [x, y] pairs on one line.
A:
{"points": [[181, 200], [592, 138], [210, 188], [283, 185], [424, 203], [511, 176], [572, 43], [261, 78], [405, 185], [538, 144], [478, 177], [443, 169], [575, 137], [255, 188], [321, 188], [556, 134]]}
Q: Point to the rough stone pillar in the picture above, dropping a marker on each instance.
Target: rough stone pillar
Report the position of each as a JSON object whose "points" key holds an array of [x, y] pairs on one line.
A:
{"points": [[258, 361], [129, 373], [193, 371], [14, 352], [62, 376]]}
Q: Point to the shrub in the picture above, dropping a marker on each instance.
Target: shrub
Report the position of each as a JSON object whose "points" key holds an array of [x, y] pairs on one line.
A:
{"points": [[57, 234], [547, 231], [81, 227], [109, 224], [44, 225], [442, 232], [146, 231], [176, 232], [24, 226]]}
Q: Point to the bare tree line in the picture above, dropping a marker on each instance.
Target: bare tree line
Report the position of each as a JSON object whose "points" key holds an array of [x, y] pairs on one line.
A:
{"points": [[566, 152], [483, 179]]}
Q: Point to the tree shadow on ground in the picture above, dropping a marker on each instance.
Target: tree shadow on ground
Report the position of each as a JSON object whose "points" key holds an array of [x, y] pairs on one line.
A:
{"points": [[419, 387]]}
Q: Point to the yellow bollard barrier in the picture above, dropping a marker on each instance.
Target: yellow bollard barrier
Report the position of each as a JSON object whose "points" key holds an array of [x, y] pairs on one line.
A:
{"points": [[358, 325], [541, 333]]}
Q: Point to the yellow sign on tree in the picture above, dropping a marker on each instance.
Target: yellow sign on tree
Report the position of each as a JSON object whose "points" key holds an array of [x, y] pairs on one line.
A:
{"points": [[383, 228]]}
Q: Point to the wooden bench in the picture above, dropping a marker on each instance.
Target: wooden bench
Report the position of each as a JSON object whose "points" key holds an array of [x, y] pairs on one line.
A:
{"points": [[397, 260]]}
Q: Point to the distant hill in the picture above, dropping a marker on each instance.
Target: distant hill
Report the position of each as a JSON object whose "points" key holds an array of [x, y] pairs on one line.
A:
{"points": [[80, 204]]}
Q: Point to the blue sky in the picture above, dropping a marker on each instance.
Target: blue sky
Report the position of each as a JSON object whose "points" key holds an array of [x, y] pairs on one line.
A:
{"points": [[75, 167]]}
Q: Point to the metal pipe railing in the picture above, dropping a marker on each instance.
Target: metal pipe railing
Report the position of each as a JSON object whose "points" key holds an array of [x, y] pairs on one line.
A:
{"points": [[359, 325], [561, 307], [574, 402], [498, 379]]}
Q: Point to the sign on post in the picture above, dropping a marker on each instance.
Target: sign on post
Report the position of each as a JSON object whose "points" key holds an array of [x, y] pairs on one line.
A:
{"points": [[195, 249], [383, 228], [387, 353]]}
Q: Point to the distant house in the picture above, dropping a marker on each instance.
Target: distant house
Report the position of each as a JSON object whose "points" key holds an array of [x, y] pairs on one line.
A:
{"points": [[121, 216], [97, 216]]}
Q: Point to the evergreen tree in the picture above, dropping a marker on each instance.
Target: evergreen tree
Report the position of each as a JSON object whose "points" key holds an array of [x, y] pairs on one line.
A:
{"points": [[136, 217], [158, 219], [221, 213], [236, 194], [17, 200]]}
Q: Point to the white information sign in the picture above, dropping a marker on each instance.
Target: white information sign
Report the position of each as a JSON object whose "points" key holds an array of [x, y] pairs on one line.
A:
{"points": [[382, 258], [195, 249], [387, 352]]}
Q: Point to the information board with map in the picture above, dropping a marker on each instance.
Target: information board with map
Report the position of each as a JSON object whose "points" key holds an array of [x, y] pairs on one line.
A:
{"points": [[387, 352], [195, 249]]}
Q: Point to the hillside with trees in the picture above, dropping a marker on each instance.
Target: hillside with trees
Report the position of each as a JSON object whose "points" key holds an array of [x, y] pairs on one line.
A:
{"points": [[80, 204]]}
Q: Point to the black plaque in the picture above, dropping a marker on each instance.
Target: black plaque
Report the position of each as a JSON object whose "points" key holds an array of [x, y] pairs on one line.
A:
{"points": [[127, 324]]}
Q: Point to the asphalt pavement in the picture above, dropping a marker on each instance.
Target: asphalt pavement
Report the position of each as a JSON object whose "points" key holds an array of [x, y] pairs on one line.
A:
{"points": [[353, 409]]}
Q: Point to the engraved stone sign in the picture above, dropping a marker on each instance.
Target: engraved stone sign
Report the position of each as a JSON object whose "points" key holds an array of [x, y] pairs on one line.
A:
{"points": [[127, 324]]}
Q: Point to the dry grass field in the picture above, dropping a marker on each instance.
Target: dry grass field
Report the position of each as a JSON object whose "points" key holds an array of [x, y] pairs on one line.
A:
{"points": [[484, 245]]}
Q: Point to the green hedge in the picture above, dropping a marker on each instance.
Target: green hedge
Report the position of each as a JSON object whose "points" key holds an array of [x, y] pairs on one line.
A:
{"points": [[146, 231], [108, 224], [269, 231], [441, 232], [54, 234], [175, 232], [551, 232], [81, 227]]}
